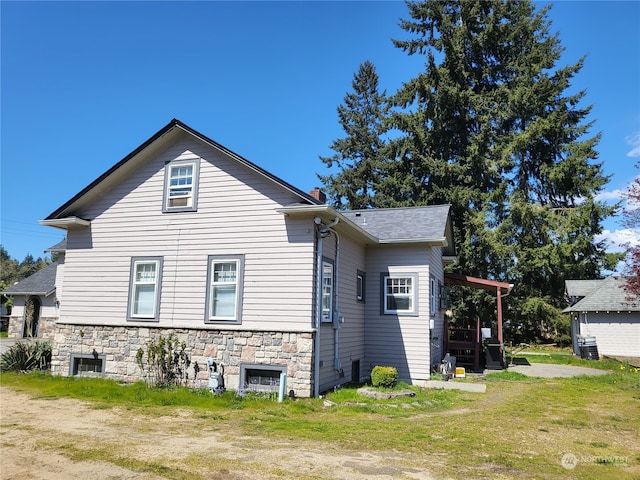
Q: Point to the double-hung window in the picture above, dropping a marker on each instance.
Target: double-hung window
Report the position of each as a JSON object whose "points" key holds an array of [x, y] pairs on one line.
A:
{"points": [[327, 292], [224, 288], [144, 290], [400, 293], [181, 186]]}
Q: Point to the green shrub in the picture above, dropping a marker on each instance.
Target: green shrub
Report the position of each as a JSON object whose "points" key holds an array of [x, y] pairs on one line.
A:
{"points": [[386, 377], [25, 356], [166, 362]]}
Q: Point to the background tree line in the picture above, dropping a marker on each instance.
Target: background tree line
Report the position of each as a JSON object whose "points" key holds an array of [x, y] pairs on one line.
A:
{"points": [[490, 128]]}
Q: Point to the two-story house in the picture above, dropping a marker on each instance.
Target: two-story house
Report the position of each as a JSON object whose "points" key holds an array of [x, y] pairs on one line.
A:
{"points": [[185, 236]]}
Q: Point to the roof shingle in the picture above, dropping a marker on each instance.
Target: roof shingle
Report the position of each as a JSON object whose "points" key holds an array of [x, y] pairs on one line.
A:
{"points": [[43, 282]]}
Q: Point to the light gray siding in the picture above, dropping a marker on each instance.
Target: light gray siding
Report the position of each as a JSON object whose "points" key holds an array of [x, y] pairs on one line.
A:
{"points": [[236, 216], [349, 336], [401, 341], [436, 269]]}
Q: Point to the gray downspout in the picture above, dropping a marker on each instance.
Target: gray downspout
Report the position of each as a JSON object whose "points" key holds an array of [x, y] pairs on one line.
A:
{"points": [[318, 313], [320, 231], [336, 311]]}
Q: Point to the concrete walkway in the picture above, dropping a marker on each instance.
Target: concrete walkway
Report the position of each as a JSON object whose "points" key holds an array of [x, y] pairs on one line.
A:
{"points": [[539, 370], [5, 344], [549, 370]]}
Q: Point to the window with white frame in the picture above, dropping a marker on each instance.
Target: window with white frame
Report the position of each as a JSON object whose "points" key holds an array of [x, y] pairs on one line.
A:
{"points": [[181, 179], [400, 293], [224, 288], [327, 291], [144, 292]]}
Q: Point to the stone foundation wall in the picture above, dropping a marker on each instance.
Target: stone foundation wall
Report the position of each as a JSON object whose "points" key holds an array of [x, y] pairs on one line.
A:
{"points": [[46, 328], [228, 348]]}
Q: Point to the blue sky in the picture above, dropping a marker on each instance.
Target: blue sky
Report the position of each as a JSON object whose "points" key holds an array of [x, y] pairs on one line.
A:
{"points": [[85, 83]]}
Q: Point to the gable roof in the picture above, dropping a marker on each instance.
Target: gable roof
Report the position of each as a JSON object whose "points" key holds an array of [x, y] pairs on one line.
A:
{"points": [[43, 282], [63, 216], [607, 295]]}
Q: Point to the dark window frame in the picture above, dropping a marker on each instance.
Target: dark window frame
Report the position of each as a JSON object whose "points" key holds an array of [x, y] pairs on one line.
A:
{"points": [[240, 262], [158, 292], [415, 295], [194, 185], [361, 286], [93, 359]]}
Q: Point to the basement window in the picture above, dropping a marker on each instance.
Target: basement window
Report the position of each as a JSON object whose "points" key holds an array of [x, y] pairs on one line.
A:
{"points": [[261, 378], [89, 365]]}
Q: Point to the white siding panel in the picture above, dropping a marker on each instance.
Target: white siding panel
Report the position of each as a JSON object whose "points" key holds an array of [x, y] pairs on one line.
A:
{"points": [[436, 269], [236, 215], [617, 334]]}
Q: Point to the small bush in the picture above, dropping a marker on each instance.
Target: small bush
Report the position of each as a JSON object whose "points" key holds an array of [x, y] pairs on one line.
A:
{"points": [[25, 356], [165, 363], [386, 377]]}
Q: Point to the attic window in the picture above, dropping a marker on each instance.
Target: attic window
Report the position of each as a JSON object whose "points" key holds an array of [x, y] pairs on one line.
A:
{"points": [[181, 186]]}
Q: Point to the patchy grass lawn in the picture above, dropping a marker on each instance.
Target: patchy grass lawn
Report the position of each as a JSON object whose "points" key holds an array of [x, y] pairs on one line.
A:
{"points": [[570, 428]]}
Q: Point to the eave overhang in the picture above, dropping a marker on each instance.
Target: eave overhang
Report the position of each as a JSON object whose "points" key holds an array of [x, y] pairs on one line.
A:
{"points": [[435, 242], [327, 214], [9, 293], [449, 259], [65, 223]]}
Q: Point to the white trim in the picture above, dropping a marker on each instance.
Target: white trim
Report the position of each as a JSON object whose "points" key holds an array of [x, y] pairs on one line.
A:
{"points": [[65, 223], [412, 295]]}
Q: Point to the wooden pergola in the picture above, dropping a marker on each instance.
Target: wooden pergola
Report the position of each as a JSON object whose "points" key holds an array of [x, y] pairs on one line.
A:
{"points": [[475, 344], [500, 289]]}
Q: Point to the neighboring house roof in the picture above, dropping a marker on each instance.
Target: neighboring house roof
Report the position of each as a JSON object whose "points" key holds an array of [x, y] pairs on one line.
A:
{"points": [[43, 282], [581, 288], [607, 295], [64, 217]]}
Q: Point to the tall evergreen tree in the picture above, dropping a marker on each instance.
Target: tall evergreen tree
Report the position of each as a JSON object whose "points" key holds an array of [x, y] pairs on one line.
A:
{"points": [[12, 271], [489, 128], [359, 155]]}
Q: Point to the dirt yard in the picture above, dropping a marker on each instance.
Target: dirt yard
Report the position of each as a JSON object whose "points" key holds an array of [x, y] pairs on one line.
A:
{"points": [[43, 439]]}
